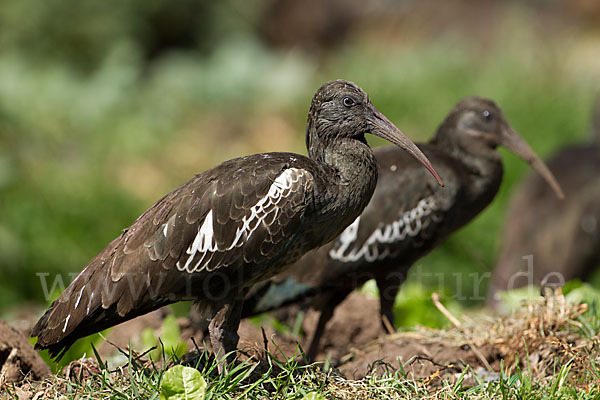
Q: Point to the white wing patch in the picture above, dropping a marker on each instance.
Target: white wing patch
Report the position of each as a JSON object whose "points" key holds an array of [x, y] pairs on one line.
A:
{"points": [[345, 240], [205, 243], [87, 311], [165, 226], [79, 297], [409, 224], [66, 323]]}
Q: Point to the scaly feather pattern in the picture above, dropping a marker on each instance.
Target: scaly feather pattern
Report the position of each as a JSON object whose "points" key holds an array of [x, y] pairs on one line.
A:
{"points": [[231, 227], [408, 216]]}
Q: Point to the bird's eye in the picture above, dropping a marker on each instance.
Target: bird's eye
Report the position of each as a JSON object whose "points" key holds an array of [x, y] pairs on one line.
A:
{"points": [[488, 115], [348, 101]]}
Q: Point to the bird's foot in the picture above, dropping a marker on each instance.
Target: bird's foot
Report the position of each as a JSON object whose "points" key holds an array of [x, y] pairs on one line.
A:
{"points": [[223, 333], [224, 344], [387, 325]]}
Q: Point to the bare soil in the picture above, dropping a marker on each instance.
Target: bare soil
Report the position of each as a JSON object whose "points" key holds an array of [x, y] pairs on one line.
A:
{"points": [[17, 357], [354, 324], [356, 344], [541, 335], [418, 357]]}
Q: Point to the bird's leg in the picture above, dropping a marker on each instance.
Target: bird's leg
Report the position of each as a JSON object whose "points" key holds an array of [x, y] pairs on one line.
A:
{"points": [[388, 290], [325, 316], [223, 331], [327, 310]]}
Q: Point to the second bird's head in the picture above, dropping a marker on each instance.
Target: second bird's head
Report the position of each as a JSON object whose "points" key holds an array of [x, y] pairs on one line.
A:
{"points": [[477, 126], [342, 110]]}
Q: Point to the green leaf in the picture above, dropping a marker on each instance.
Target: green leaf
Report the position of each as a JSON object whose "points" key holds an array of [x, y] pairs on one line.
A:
{"points": [[171, 337], [149, 340], [313, 396], [182, 383]]}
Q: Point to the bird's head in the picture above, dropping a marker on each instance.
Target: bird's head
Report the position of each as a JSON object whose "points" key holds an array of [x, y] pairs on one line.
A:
{"points": [[476, 125], [340, 109]]}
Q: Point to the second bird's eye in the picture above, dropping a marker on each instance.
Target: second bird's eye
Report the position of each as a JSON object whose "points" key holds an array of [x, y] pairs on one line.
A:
{"points": [[488, 115], [348, 101]]}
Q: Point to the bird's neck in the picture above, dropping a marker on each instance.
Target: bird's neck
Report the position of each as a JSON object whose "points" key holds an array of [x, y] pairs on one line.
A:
{"points": [[349, 169], [481, 163]]}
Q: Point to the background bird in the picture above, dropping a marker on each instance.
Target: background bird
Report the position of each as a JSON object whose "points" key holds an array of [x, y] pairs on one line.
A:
{"points": [[562, 237], [230, 227], [408, 216]]}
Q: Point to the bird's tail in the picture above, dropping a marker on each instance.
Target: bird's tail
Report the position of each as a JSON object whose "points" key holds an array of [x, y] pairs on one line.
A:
{"points": [[57, 344], [94, 302]]}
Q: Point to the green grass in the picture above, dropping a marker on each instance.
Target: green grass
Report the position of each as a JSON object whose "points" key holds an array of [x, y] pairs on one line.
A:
{"points": [[568, 367], [289, 379]]}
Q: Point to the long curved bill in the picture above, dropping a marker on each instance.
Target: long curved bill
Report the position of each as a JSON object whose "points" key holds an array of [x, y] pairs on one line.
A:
{"points": [[515, 143], [380, 126]]}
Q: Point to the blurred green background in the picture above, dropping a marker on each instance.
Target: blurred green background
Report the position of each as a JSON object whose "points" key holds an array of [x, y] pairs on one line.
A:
{"points": [[107, 105]]}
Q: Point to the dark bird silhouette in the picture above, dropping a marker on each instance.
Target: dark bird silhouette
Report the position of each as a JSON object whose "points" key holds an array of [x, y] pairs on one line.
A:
{"points": [[562, 237], [408, 215], [231, 227]]}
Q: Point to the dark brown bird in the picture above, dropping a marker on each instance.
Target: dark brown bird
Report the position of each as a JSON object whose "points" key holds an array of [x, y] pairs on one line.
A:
{"points": [[231, 227], [408, 216], [562, 237]]}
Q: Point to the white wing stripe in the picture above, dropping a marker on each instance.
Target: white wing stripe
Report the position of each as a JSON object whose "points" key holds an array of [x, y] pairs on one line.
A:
{"points": [[385, 233], [66, 323], [79, 297], [346, 238], [87, 311], [205, 242]]}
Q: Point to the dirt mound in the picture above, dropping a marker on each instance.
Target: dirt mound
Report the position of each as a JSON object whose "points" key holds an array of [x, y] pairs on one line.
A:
{"points": [[419, 357], [541, 337], [17, 357], [355, 323], [355, 342]]}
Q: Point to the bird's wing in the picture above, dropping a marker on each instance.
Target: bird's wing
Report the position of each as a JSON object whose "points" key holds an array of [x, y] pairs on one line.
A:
{"points": [[408, 213], [408, 209], [244, 212]]}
